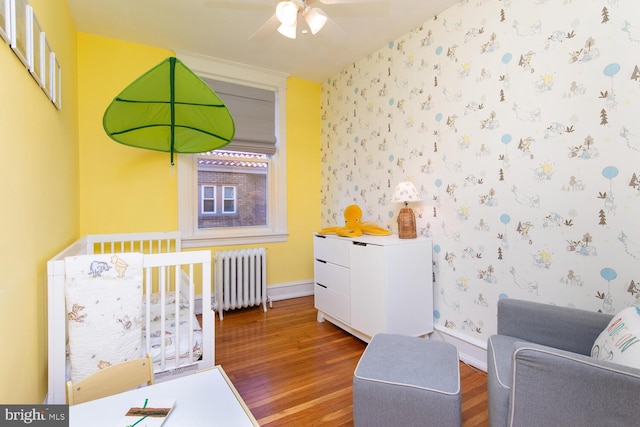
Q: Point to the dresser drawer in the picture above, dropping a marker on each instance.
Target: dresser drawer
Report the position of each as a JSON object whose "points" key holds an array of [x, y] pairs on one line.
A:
{"points": [[332, 276], [332, 250], [333, 303]]}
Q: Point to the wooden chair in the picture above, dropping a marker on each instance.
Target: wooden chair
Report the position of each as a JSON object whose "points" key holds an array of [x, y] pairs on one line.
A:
{"points": [[111, 380]]}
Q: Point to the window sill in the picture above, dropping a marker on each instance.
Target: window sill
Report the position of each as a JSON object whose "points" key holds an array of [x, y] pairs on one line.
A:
{"points": [[206, 241]]}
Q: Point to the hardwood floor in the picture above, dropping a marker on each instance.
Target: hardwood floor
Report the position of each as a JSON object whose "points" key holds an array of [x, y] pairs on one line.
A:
{"points": [[293, 371]]}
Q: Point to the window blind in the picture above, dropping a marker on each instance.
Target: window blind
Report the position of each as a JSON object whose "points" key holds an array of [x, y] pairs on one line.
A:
{"points": [[253, 111]]}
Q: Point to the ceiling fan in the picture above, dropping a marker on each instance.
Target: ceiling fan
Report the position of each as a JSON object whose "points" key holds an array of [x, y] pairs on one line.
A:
{"points": [[289, 12]]}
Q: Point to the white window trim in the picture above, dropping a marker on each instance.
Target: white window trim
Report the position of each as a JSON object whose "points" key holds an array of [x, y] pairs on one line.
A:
{"points": [[276, 230]]}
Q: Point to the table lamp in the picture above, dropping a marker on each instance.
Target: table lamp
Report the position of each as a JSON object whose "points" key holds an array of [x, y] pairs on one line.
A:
{"points": [[406, 192]]}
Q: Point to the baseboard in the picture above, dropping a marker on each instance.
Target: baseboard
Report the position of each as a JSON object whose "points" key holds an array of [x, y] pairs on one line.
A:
{"points": [[290, 290], [471, 350], [276, 292], [197, 303]]}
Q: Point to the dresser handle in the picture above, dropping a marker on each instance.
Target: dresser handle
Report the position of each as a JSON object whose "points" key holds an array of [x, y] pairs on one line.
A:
{"points": [[321, 285], [360, 243]]}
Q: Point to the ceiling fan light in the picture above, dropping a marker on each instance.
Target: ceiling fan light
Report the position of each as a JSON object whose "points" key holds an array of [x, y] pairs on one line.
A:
{"points": [[316, 19], [288, 30], [287, 12]]}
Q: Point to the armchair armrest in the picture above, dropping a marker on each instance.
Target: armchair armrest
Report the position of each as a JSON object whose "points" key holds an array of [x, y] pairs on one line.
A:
{"points": [[554, 326], [556, 387]]}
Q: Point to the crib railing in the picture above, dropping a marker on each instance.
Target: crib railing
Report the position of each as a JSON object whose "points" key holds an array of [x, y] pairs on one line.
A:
{"points": [[165, 273], [162, 242]]}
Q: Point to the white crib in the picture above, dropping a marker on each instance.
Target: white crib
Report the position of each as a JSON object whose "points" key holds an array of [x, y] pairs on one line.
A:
{"points": [[166, 271]]}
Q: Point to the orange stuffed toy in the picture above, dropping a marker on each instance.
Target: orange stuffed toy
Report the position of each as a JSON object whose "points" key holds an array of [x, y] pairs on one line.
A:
{"points": [[353, 225]]}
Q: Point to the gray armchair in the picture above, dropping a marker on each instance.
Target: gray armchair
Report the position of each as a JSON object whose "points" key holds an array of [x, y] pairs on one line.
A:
{"points": [[540, 372]]}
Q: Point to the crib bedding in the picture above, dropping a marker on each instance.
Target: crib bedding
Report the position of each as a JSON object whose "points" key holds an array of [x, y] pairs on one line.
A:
{"points": [[185, 322], [104, 306], [106, 309], [156, 333]]}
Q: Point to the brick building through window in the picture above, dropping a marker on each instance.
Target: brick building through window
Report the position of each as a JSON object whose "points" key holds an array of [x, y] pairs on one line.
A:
{"points": [[232, 189]]}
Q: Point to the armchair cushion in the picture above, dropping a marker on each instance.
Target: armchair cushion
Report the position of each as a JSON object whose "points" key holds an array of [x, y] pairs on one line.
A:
{"points": [[619, 342], [557, 387]]}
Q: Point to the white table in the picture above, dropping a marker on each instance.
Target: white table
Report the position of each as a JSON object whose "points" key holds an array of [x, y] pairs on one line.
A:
{"points": [[206, 398]]}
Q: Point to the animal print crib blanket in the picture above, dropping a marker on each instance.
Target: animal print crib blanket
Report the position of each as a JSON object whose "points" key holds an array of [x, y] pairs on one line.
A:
{"points": [[103, 294]]}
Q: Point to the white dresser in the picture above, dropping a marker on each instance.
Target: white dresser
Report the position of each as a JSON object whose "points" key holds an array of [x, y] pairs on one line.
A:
{"points": [[371, 284]]}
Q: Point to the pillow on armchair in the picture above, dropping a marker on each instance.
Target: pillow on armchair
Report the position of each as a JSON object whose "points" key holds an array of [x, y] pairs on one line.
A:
{"points": [[620, 341]]}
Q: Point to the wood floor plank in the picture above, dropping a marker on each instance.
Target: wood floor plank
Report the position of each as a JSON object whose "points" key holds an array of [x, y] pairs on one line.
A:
{"points": [[293, 371]]}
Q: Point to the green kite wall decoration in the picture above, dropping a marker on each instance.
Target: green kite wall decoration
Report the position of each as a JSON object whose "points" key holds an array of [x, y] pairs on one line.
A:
{"points": [[169, 109]]}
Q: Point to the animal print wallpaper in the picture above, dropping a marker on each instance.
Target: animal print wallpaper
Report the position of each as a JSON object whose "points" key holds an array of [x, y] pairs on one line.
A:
{"points": [[519, 123]]}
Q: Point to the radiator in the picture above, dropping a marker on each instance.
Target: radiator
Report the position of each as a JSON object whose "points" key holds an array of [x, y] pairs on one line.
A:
{"points": [[240, 279]]}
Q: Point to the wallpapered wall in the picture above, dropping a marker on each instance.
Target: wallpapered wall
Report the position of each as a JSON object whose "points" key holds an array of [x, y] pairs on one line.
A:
{"points": [[519, 122]]}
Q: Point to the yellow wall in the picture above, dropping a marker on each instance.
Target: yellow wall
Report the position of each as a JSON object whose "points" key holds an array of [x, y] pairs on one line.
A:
{"points": [[124, 189], [293, 261], [39, 193], [62, 177]]}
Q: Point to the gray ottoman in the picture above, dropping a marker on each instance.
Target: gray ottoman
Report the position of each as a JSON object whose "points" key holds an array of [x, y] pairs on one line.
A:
{"points": [[406, 381]]}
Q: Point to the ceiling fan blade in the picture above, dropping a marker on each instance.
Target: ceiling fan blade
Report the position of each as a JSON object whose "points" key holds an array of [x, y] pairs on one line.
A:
{"points": [[268, 28], [239, 5], [332, 32], [330, 2]]}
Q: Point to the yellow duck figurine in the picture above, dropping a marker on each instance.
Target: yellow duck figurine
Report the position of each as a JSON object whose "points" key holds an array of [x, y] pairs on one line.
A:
{"points": [[353, 225]]}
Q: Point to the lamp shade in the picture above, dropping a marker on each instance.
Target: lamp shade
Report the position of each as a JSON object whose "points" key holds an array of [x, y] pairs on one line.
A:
{"points": [[287, 12], [406, 192], [288, 30], [315, 18]]}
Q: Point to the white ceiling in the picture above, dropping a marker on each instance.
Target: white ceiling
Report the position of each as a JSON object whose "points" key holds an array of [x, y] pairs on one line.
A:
{"points": [[224, 29]]}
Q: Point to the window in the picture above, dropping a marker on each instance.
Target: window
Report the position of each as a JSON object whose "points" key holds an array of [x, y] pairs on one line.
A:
{"points": [[237, 195], [229, 200], [208, 199]]}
